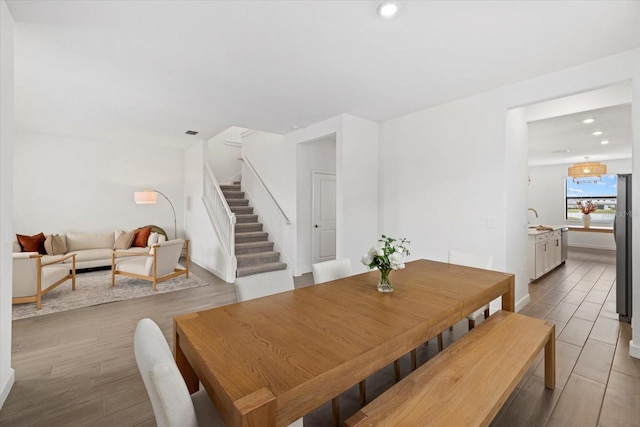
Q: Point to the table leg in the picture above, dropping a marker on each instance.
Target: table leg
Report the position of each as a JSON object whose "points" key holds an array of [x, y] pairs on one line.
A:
{"points": [[508, 298], [189, 375], [550, 360]]}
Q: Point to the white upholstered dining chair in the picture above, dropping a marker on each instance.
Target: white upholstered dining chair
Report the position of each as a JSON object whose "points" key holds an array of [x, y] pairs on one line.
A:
{"points": [[263, 284], [172, 404], [331, 270]]}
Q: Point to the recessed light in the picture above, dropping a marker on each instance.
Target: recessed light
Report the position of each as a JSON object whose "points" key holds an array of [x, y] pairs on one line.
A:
{"points": [[387, 9], [589, 120], [597, 133], [604, 142]]}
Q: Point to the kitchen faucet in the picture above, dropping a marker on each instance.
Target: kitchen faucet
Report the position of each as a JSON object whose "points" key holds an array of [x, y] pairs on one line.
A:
{"points": [[534, 211]]}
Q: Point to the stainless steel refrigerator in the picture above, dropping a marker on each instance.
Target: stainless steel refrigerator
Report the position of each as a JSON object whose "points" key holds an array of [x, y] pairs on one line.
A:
{"points": [[622, 235]]}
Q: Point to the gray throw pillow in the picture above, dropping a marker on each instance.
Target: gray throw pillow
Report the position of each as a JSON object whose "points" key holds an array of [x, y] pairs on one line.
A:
{"points": [[124, 240]]}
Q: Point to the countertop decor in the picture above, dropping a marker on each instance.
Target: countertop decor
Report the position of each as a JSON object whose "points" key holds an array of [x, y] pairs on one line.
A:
{"points": [[388, 255]]}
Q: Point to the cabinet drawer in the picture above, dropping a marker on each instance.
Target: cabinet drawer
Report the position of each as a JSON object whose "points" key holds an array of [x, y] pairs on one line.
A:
{"points": [[542, 237]]}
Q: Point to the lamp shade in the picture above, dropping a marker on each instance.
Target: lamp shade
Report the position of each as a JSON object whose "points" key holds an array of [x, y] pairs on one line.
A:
{"points": [[587, 171], [146, 197]]}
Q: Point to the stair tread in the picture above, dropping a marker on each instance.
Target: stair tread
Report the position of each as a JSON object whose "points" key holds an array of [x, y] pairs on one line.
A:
{"points": [[249, 233]]}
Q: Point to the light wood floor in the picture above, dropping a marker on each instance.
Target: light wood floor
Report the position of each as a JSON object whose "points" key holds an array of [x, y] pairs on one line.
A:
{"points": [[77, 368]]}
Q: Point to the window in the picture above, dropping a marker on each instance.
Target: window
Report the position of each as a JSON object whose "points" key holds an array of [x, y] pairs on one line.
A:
{"points": [[603, 194]]}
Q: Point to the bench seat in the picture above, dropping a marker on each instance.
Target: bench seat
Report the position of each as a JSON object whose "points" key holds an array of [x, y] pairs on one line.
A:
{"points": [[468, 382]]}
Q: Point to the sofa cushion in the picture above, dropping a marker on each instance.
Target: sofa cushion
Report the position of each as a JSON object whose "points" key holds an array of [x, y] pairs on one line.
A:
{"points": [[92, 255], [33, 243], [52, 258], [77, 241], [56, 244], [124, 240], [142, 237], [133, 250]]}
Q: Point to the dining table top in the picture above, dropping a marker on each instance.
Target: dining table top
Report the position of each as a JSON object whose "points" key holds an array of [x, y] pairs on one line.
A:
{"points": [[271, 360]]}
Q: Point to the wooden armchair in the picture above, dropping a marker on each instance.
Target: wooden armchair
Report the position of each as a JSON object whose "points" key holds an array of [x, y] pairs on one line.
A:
{"points": [[161, 263], [33, 278]]}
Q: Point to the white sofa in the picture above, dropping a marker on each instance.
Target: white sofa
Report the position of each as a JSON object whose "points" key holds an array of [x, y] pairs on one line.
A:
{"points": [[93, 249]]}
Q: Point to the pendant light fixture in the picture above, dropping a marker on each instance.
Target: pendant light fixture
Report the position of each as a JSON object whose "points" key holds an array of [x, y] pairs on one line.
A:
{"points": [[587, 171]]}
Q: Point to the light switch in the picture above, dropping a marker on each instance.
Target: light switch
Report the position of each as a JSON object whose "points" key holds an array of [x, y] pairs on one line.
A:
{"points": [[491, 221]]}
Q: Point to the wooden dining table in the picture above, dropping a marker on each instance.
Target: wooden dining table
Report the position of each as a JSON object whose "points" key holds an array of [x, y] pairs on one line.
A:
{"points": [[271, 360]]}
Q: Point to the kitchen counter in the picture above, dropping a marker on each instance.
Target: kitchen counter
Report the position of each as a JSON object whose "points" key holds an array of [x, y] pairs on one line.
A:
{"points": [[548, 228]]}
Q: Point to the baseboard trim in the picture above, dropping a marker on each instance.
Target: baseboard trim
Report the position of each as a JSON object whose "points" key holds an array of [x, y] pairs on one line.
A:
{"points": [[523, 302], [634, 350], [588, 246], [6, 387]]}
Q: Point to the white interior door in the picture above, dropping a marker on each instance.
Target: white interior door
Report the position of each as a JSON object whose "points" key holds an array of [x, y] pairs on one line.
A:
{"points": [[323, 234]]}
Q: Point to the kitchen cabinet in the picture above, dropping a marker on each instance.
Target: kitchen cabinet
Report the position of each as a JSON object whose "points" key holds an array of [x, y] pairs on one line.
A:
{"points": [[544, 251]]}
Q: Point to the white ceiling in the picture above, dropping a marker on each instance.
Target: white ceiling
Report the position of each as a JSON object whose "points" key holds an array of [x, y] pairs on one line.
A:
{"points": [[147, 71], [549, 138]]}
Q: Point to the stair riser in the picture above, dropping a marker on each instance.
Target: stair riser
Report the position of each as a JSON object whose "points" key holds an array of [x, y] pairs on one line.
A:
{"points": [[233, 194], [246, 228], [252, 238], [241, 209], [237, 202], [268, 246], [258, 259], [264, 269]]}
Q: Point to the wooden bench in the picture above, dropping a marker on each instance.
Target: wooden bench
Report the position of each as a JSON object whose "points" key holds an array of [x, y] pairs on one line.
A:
{"points": [[468, 382]]}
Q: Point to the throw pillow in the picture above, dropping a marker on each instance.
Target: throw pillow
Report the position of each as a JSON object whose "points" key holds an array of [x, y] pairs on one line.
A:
{"points": [[124, 240], [141, 237], [153, 239], [33, 243], [55, 244]]}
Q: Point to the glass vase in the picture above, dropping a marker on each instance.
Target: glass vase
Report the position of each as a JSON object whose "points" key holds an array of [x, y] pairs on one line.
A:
{"points": [[384, 285]]}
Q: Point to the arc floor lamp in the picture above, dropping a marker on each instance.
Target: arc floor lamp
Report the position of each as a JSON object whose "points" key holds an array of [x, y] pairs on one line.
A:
{"points": [[149, 197]]}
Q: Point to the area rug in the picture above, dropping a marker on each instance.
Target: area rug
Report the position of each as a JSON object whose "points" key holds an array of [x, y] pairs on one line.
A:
{"points": [[94, 288]]}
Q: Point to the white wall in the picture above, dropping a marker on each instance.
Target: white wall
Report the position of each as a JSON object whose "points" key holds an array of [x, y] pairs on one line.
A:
{"points": [[357, 150], [206, 249], [6, 199], [320, 156], [547, 196], [224, 158], [446, 177], [63, 184]]}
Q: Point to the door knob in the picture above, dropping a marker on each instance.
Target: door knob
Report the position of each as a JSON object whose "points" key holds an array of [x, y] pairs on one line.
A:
{"points": [[316, 226]]}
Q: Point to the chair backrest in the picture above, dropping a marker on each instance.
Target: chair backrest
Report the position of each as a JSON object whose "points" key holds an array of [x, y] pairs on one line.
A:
{"points": [[471, 259], [260, 285], [24, 273], [170, 398], [331, 270], [168, 255]]}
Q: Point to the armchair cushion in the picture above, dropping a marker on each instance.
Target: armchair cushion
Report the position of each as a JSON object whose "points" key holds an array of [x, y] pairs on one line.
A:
{"points": [[33, 243]]}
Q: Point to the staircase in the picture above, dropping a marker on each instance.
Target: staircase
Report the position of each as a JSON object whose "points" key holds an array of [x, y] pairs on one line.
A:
{"points": [[254, 252]]}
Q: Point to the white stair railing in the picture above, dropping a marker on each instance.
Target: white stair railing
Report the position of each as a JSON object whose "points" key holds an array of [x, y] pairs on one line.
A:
{"points": [[274, 219], [223, 219]]}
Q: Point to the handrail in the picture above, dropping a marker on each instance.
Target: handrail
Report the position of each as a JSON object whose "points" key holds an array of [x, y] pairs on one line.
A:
{"points": [[273, 199], [223, 219]]}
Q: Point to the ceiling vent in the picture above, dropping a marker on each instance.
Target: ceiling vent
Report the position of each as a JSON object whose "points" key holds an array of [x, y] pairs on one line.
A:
{"points": [[191, 132]]}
